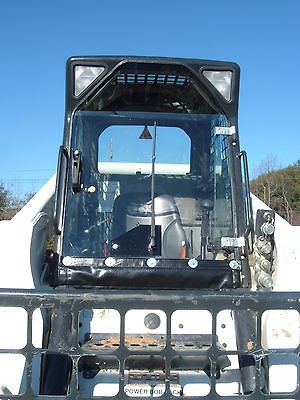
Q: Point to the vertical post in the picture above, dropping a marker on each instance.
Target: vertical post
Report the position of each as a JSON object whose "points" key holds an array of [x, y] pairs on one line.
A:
{"points": [[152, 232]]}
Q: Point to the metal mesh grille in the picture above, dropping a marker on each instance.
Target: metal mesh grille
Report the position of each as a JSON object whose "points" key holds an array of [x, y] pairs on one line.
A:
{"points": [[66, 306], [151, 79]]}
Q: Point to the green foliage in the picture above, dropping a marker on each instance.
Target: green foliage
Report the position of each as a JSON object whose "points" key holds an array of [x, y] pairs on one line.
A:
{"points": [[3, 199], [10, 205], [280, 190], [50, 245]]}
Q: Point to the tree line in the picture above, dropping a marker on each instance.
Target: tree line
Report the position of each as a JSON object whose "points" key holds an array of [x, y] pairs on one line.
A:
{"points": [[279, 188], [9, 204]]}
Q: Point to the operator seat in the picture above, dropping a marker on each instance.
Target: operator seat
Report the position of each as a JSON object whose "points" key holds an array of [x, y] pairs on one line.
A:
{"points": [[133, 210]]}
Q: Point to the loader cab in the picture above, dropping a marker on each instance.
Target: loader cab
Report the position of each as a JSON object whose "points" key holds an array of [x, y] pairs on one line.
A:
{"points": [[150, 192]]}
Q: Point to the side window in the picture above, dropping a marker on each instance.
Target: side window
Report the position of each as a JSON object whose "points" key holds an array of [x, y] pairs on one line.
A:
{"points": [[221, 218]]}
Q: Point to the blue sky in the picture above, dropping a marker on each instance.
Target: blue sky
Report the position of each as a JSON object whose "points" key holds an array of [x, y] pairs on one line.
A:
{"points": [[36, 38]]}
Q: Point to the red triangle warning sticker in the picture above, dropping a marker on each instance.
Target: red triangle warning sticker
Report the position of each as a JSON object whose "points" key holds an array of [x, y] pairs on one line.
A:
{"points": [[145, 134]]}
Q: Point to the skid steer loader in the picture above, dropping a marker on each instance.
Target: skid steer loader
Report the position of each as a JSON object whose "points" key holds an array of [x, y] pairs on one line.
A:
{"points": [[166, 278]]}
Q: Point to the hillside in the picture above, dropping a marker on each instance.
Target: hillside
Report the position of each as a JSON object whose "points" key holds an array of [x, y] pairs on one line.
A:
{"points": [[280, 190]]}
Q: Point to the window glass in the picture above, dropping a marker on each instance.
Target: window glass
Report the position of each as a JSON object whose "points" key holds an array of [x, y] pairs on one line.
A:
{"points": [[185, 205], [221, 214], [134, 144]]}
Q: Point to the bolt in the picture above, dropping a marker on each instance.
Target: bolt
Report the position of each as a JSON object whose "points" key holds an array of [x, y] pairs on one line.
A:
{"points": [[234, 264], [151, 262], [265, 265], [268, 229], [268, 216], [265, 280], [266, 248], [193, 263], [152, 321], [109, 261]]}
